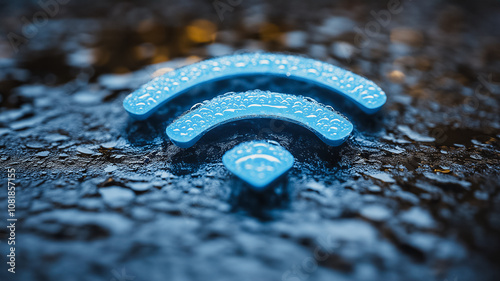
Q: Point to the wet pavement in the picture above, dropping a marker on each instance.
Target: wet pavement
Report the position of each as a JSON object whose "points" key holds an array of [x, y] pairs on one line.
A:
{"points": [[412, 195]]}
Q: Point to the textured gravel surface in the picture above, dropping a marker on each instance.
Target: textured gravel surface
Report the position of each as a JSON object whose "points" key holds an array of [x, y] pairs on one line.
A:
{"points": [[412, 195]]}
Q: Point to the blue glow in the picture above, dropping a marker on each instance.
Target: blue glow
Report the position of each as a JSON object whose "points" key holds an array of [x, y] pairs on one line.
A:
{"points": [[258, 163], [146, 100], [324, 121]]}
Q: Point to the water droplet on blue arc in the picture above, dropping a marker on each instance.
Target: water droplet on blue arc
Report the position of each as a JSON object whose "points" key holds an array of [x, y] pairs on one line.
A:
{"points": [[258, 163]]}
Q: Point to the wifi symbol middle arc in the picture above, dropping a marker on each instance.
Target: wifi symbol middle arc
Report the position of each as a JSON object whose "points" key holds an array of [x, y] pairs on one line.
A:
{"points": [[329, 125]]}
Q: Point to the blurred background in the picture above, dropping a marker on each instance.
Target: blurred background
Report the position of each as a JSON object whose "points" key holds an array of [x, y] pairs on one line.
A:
{"points": [[413, 195]]}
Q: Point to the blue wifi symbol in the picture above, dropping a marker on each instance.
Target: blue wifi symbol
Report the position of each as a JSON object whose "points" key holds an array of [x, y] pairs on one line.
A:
{"points": [[257, 163]]}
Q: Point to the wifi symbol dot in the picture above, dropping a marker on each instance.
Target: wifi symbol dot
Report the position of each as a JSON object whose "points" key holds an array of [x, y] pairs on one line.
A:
{"points": [[257, 163]]}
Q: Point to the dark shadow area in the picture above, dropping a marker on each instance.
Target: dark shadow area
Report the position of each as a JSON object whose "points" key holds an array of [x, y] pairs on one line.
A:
{"points": [[303, 144], [260, 204]]}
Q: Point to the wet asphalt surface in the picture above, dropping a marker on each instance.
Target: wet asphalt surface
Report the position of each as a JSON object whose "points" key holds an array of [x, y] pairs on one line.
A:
{"points": [[412, 195]]}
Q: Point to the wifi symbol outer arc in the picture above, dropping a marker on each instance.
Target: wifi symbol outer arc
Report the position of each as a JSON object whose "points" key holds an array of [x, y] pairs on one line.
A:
{"points": [[147, 99]]}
